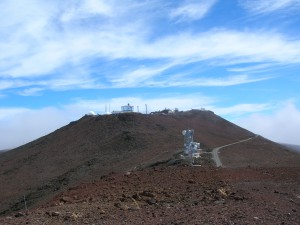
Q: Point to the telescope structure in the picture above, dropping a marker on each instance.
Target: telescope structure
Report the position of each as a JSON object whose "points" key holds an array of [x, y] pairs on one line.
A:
{"points": [[191, 148]]}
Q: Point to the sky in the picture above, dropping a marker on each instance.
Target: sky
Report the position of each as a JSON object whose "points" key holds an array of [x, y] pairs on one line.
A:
{"points": [[61, 59]]}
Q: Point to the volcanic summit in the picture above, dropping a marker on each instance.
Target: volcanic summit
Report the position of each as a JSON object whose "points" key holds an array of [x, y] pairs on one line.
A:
{"points": [[97, 146]]}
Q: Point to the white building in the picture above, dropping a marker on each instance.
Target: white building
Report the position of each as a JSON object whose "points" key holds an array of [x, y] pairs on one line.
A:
{"points": [[127, 108]]}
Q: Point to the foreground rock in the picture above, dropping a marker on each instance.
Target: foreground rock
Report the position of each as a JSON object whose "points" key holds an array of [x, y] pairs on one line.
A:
{"points": [[177, 195]]}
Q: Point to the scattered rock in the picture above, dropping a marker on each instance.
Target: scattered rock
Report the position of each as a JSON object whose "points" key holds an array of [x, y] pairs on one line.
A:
{"points": [[151, 201], [55, 213], [127, 173], [121, 206], [222, 192], [102, 211], [52, 213], [220, 202], [20, 214], [137, 197], [238, 198], [208, 192], [66, 199], [72, 216], [148, 194], [166, 194]]}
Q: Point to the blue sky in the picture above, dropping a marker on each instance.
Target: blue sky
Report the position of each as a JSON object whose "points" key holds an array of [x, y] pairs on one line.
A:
{"points": [[62, 59]]}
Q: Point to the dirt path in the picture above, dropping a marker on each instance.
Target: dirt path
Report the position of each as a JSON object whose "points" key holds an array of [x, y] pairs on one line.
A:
{"points": [[215, 152]]}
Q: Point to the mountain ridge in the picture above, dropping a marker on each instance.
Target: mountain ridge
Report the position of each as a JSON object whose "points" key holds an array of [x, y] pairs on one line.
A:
{"points": [[94, 146]]}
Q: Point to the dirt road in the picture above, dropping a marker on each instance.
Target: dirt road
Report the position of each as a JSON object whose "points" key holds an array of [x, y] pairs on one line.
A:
{"points": [[215, 151]]}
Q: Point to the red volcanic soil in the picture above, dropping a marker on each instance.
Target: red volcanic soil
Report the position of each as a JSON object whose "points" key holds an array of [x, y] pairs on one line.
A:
{"points": [[176, 195], [72, 169]]}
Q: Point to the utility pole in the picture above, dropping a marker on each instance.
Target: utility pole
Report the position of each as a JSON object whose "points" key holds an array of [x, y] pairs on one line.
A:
{"points": [[146, 109]]}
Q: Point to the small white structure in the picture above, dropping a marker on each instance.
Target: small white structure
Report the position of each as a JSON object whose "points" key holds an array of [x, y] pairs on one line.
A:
{"points": [[127, 108], [91, 113]]}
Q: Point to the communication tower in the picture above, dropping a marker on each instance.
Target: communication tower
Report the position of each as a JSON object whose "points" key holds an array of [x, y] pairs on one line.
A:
{"points": [[191, 148]]}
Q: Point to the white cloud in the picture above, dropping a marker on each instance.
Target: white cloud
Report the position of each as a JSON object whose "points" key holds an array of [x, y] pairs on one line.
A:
{"points": [[207, 82], [20, 125], [229, 45], [192, 10], [267, 6], [7, 113], [31, 91], [160, 76], [281, 126], [24, 13], [46, 59], [241, 109], [44, 42], [86, 9], [252, 68], [139, 77]]}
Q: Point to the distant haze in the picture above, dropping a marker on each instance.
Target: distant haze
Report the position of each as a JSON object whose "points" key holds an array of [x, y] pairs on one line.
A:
{"points": [[281, 126], [293, 147], [23, 125]]}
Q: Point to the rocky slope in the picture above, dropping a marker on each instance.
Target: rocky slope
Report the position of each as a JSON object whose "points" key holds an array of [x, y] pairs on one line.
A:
{"points": [[176, 195]]}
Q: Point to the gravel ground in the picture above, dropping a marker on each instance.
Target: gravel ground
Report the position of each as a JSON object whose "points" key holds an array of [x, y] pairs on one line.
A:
{"points": [[176, 195]]}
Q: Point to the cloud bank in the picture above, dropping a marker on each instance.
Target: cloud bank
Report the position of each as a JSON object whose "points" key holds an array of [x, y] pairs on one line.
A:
{"points": [[281, 126], [20, 125]]}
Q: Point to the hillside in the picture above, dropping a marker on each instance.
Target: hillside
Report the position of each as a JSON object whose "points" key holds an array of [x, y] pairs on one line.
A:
{"points": [[259, 152], [295, 148], [2, 151], [93, 146]]}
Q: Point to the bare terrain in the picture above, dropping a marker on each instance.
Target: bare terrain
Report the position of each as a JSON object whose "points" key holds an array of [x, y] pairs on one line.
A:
{"points": [[126, 169], [292, 147]]}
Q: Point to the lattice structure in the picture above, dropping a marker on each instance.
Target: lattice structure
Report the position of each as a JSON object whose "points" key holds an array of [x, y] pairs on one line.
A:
{"points": [[191, 148]]}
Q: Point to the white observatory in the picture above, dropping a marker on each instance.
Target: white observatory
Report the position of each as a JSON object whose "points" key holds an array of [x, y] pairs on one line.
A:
{"points": [[127, 108]]}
